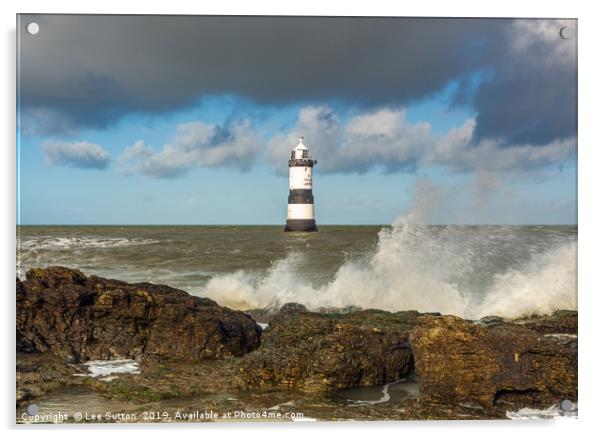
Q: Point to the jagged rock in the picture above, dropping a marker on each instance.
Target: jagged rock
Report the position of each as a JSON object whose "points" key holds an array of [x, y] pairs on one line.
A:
{"points": [[458, 360], [346, 309], [467, 369], [323, 352], [62, 311], [292, 308], [171, 379], [38, 373], [561, 321], [266, 315], [492, 320]]}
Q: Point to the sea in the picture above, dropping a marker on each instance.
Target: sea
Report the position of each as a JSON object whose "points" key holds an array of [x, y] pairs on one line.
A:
{"points": [[469, 271]]}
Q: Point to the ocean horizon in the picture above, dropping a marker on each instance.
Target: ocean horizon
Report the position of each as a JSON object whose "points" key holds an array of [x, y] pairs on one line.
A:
{"points": [[466, 270]]}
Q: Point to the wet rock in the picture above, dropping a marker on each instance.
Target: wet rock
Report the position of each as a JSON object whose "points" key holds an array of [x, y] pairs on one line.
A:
{"points": [[38, 373], [492, 320], [162, 380], [561, 321], [263, 316], [491, 364], [81, 318], [292, 308], [466, 369], [323, 352], [346, 309], [266, 315]]}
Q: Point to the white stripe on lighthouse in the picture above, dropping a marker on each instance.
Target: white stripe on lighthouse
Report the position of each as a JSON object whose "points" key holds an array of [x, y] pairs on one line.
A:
{"points": [[300, 177], [300, 211]]}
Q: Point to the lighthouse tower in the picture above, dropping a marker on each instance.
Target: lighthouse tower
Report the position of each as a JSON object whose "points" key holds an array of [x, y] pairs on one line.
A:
{"points": [[300, 198]]}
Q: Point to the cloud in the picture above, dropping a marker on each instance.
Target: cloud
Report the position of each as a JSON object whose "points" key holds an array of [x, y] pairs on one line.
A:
{"points": [[383, 139], [380, 139], [519, 76], [194, 144], [372, 139], [93, 82], [531, 96], [79, 154]]}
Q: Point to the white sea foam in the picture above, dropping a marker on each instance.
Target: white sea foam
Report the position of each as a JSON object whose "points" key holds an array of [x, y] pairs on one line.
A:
{"points": [[278, 406], [66, 243], [106, 369], [561, 336], [551, 413], [413, 267], [546, 284]]}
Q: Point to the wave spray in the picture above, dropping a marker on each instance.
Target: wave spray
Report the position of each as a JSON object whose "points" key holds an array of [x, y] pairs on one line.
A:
{"points": [[458, 270]]}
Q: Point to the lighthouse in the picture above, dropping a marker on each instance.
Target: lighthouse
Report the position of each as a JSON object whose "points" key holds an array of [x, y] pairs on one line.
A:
{"points": [[300, 197]]}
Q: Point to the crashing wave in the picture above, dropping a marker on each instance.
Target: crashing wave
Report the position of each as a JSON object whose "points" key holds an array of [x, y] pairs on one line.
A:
{"points": [[415, 267]]}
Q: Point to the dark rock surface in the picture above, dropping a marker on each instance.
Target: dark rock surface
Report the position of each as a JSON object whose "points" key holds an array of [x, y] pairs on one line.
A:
{"points": [[561, 321], [460, 360], [190, 348], [323, 352], [38, 373], [81, 318], [266, 315], [160, 380]]}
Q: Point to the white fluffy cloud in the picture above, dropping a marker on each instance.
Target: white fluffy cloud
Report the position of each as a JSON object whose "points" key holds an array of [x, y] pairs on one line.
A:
{"points": [[194, 144], [384, 139], [75, 154], [380, 139], [527, 35]]}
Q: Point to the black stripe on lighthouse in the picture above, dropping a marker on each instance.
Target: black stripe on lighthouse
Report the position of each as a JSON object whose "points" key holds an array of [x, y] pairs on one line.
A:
{"points": [[300, 196], [300, 225]]}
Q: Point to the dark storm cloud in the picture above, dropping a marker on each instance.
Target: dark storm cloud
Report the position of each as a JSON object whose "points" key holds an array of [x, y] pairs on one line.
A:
{"points": [[532, 94], [94, 69], [540, 108], [89, 71]]}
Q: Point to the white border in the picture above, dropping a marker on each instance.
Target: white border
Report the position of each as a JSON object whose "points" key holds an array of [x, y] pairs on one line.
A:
{"points": [[590, 184]]}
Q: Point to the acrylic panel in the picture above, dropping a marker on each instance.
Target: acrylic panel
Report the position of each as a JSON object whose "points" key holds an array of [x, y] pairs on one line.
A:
{"points": [[286, 218]]}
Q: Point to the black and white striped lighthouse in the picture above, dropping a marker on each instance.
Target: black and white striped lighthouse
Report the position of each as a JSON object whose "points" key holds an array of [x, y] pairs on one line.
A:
{"points": [[300, 197]]}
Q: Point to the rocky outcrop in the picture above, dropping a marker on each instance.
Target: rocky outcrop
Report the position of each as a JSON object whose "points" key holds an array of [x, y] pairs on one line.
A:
{"points": [[266, 315], [39, 373], [466, 369], [62, 311], [322, 352], [559, 322], [493, 362]]}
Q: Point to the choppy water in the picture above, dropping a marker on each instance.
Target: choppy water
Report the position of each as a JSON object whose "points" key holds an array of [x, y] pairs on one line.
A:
{"points": [[465, 270]]}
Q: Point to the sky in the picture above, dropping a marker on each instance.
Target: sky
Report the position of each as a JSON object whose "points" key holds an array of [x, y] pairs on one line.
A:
{"points": [[191, 119]]}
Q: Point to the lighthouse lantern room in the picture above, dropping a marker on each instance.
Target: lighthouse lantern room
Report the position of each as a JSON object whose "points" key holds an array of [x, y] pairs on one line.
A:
{"points": [[300, 197]]}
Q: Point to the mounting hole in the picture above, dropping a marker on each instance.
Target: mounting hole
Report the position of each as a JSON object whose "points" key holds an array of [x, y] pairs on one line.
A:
{"points": [[566, 33], [33, 409], [567, 405], [32, 28]]}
